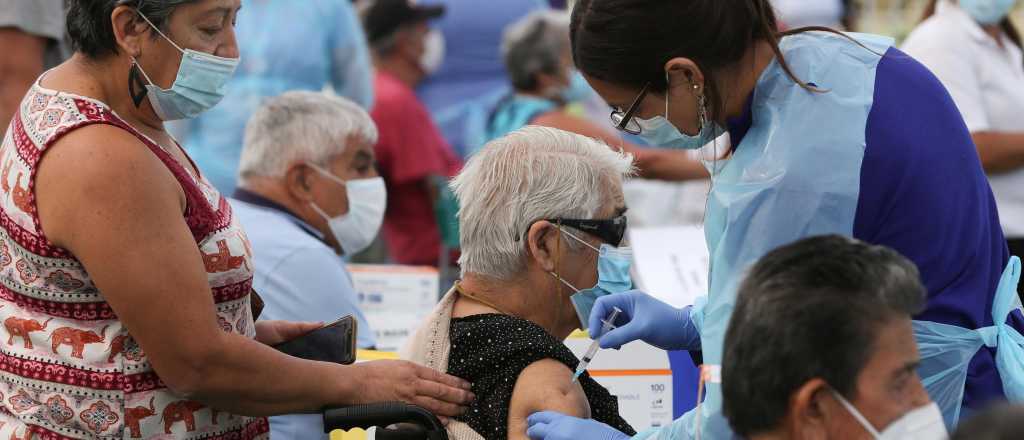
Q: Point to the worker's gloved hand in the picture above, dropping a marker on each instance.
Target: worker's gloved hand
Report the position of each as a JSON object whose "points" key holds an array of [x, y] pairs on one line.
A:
{"points": [[645, 319], [550, 425]]}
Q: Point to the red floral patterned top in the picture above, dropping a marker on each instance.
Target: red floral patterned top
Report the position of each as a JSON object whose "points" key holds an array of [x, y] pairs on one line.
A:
{"points": [[68, 368]]}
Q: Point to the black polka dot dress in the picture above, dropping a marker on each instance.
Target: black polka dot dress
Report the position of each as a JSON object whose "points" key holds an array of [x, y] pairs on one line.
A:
{"points": [[490, 351]]}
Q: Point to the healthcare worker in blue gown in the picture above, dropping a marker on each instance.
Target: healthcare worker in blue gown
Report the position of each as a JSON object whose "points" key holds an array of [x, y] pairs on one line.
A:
{"points": [[829, 134]]}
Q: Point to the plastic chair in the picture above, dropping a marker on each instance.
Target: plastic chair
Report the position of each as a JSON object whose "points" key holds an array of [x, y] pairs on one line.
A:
{"points": [[415, 423]]}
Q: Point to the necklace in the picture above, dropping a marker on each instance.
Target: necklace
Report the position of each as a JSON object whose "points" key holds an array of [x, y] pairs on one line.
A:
{"points": [[474, 297]]}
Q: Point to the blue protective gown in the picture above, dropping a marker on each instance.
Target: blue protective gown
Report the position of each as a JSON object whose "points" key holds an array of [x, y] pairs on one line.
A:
{"points": [[883, 156]]}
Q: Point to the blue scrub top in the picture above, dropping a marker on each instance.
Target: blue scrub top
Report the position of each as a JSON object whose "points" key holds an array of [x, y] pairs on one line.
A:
{"points": [[923, 193], [284, 45]]}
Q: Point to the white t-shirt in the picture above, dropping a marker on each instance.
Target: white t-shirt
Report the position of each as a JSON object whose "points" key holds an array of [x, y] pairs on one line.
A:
{"points": [[800, 13], [986, 81]]}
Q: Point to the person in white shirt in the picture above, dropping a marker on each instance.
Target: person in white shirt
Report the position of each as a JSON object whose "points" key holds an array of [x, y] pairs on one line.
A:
{"points": [[800, 13], [308, 193], [975, 50]]}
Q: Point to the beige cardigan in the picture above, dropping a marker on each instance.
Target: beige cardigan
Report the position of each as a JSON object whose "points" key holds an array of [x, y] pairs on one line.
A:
{"points": [[430, 347]]}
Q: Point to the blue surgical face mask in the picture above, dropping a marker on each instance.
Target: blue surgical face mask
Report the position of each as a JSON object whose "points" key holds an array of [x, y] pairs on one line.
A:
{"points": [[659, 132], [987, 12], [577, 90], [613, 265], [200, 84]]}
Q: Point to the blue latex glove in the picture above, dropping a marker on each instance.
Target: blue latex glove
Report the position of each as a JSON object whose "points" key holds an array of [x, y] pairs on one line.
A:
{"points": [[645, 319], [550, 425]]}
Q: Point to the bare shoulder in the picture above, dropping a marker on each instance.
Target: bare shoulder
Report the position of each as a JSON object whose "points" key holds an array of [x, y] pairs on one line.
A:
{"points": [[545, 385], [101, 168], [96, 154]]}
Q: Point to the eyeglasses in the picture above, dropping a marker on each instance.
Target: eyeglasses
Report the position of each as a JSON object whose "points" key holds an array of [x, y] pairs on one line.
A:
{"points": [[624, 121], [610, 231]]}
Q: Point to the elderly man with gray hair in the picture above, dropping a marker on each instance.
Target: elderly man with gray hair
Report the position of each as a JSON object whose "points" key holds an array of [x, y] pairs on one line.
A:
{"points": [[308, 193], [541, 217]]}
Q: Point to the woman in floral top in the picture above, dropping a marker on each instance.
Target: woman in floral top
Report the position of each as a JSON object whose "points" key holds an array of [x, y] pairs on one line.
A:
{"points": [[125, 281]]}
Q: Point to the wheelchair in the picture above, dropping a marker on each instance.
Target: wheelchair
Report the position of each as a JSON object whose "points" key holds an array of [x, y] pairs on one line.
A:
{"points": [[394, 421]]}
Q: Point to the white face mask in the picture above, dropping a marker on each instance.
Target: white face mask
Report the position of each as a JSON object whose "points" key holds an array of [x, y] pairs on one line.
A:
{"points": [[433, 52], [924, 423], [367, 199]]}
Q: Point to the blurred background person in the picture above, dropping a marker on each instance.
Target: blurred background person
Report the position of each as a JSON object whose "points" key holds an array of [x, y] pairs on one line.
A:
{"points": [[536, 205], [471, 80], [31, 36], [1000, 422], [975, 50], [308, 193], [308, 45], [836, 14], [413, 156], [135, 261], [540, 68]]}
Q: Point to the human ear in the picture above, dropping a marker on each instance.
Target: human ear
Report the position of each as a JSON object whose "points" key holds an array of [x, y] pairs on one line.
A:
{"points": [[683, 71], [297, 182], [129, 30], [542, 244], [811, 410]]}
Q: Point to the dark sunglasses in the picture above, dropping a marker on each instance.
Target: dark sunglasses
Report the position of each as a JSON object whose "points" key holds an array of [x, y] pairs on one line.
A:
{"points": [[623, 120], [610, 231]]}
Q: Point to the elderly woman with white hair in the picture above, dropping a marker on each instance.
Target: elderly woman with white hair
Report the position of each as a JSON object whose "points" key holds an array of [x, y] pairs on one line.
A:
{"points": [[539, 64], [542, 215]]}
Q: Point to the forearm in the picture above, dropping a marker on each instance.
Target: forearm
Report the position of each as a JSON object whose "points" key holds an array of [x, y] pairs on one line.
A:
{"points": [[286, 384], [1000, 152], [666, 165], [21, 65]]}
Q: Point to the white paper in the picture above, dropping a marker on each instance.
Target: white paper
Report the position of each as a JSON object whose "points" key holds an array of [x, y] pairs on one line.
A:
{"points": [[395, 300], [671, 263]]}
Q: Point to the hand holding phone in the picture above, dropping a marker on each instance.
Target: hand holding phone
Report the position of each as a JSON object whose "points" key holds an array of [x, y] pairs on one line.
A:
{"points": [[334, 342]]}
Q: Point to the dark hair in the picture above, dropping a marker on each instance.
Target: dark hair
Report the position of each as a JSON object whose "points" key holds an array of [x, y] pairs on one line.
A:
{"points": [[808, 310], [629, 41], [91, 32], [1002, 421], [1006, 25]]}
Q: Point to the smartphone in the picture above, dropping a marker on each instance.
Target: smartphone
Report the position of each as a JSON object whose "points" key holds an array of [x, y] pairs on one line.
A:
{"points": [[334, 342]]}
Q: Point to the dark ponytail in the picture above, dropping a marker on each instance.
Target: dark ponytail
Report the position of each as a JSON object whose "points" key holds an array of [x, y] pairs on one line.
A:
{"points": [[628, 42]]}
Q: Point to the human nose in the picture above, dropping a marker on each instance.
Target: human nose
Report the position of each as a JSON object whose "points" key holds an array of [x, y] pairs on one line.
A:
{"points": [[919, 396], [229, 49]]}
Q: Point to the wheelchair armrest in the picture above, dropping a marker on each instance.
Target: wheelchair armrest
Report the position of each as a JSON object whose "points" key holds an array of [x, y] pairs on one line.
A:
{"points": [[382, 415]]}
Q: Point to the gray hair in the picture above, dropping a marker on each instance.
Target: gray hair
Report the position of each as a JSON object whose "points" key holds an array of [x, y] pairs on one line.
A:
{"points": [[530, 174], [301, 126], [534, 45]]}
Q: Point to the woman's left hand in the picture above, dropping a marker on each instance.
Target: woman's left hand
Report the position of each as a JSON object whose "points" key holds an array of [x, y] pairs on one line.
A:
{"points": [[276, 332]]}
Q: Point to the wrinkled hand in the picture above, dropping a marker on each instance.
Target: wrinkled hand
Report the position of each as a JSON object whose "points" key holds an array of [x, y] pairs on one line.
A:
{"points": [[644, 318], [550, 425], [276, 332], [392, 380]]}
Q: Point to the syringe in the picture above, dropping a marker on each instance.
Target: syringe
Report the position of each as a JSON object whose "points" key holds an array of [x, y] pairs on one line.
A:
{"points": [[607, 325]]}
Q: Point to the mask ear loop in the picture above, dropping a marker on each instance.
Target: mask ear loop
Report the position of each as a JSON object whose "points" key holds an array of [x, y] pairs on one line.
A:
{"points": [[558, 252], [856, 414], [160, 32]]}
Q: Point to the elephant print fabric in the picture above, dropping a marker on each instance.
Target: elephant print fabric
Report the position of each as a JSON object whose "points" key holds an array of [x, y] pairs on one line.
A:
{"points": [[68, 368]]}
